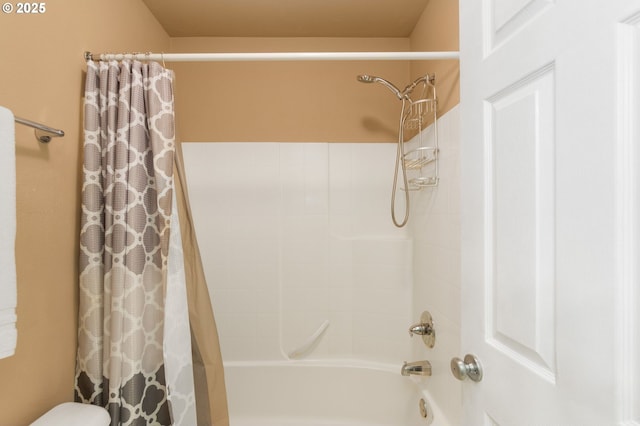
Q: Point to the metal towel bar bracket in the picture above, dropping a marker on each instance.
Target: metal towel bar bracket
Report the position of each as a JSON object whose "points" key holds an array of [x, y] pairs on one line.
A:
{"points": [[43, 133]]}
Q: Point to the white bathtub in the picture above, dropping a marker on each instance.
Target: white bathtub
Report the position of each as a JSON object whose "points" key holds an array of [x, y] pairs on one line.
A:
{"points": [[335, 393]]}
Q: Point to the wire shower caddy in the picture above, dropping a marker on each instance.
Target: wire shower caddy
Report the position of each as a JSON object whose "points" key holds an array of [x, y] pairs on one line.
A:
{"points": [[416, 164], [420, 156]]}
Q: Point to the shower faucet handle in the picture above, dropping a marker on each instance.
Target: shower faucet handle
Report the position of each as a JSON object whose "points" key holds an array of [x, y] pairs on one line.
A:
{"points": [[425, 329], [420, 329]]}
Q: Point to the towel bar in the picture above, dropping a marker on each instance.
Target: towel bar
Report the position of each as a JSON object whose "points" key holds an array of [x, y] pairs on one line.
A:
{"points": [[43, 133]]}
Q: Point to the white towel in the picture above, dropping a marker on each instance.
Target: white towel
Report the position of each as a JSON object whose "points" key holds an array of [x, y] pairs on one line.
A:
{"points": [[8, 293]]}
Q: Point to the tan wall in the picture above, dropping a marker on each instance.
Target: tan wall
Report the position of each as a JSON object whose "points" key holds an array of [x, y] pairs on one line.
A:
{"points": [[437, 30], [309, 101], [42, 73], [287, 101]]}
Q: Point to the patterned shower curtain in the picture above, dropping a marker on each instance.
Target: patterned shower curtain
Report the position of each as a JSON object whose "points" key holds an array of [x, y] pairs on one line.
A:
{"points": [[143, 327]]}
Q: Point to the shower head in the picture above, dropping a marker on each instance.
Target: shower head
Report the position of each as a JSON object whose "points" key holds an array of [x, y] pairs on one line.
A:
{"points": [[365, 78]]}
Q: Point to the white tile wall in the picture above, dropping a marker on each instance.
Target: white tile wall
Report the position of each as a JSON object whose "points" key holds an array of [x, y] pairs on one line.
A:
{"points": [[295, 234]]}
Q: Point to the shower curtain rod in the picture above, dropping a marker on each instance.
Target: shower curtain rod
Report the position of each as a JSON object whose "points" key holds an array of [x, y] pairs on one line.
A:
{"points": [[39, 128], [275, 56]]}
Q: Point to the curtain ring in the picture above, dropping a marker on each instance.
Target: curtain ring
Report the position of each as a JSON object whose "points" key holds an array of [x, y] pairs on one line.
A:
{"points": [[162, 57]]}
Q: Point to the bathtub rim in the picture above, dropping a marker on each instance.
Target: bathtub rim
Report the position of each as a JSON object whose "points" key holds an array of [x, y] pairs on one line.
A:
{"points": [[353, 363], [336, 363]]}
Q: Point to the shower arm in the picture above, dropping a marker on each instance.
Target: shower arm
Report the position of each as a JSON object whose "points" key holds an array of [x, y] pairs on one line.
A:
{"points": [[401, 95], [427, 79]]}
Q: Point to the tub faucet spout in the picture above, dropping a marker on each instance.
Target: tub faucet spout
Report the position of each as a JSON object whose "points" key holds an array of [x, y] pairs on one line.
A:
{"points": [[418, 368]]}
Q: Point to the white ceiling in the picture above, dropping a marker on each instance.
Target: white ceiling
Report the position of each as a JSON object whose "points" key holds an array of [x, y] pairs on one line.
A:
{"points": [[287, 18]]}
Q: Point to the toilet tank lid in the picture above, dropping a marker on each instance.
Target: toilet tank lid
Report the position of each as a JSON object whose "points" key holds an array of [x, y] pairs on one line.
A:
{"points": [[74, 414]]}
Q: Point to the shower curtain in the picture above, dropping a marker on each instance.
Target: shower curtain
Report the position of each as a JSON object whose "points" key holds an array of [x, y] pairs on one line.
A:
{"points": [[147, 342]]}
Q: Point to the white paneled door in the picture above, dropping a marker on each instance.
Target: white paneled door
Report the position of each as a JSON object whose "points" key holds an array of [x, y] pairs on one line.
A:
{"points": [[549, 121]]}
